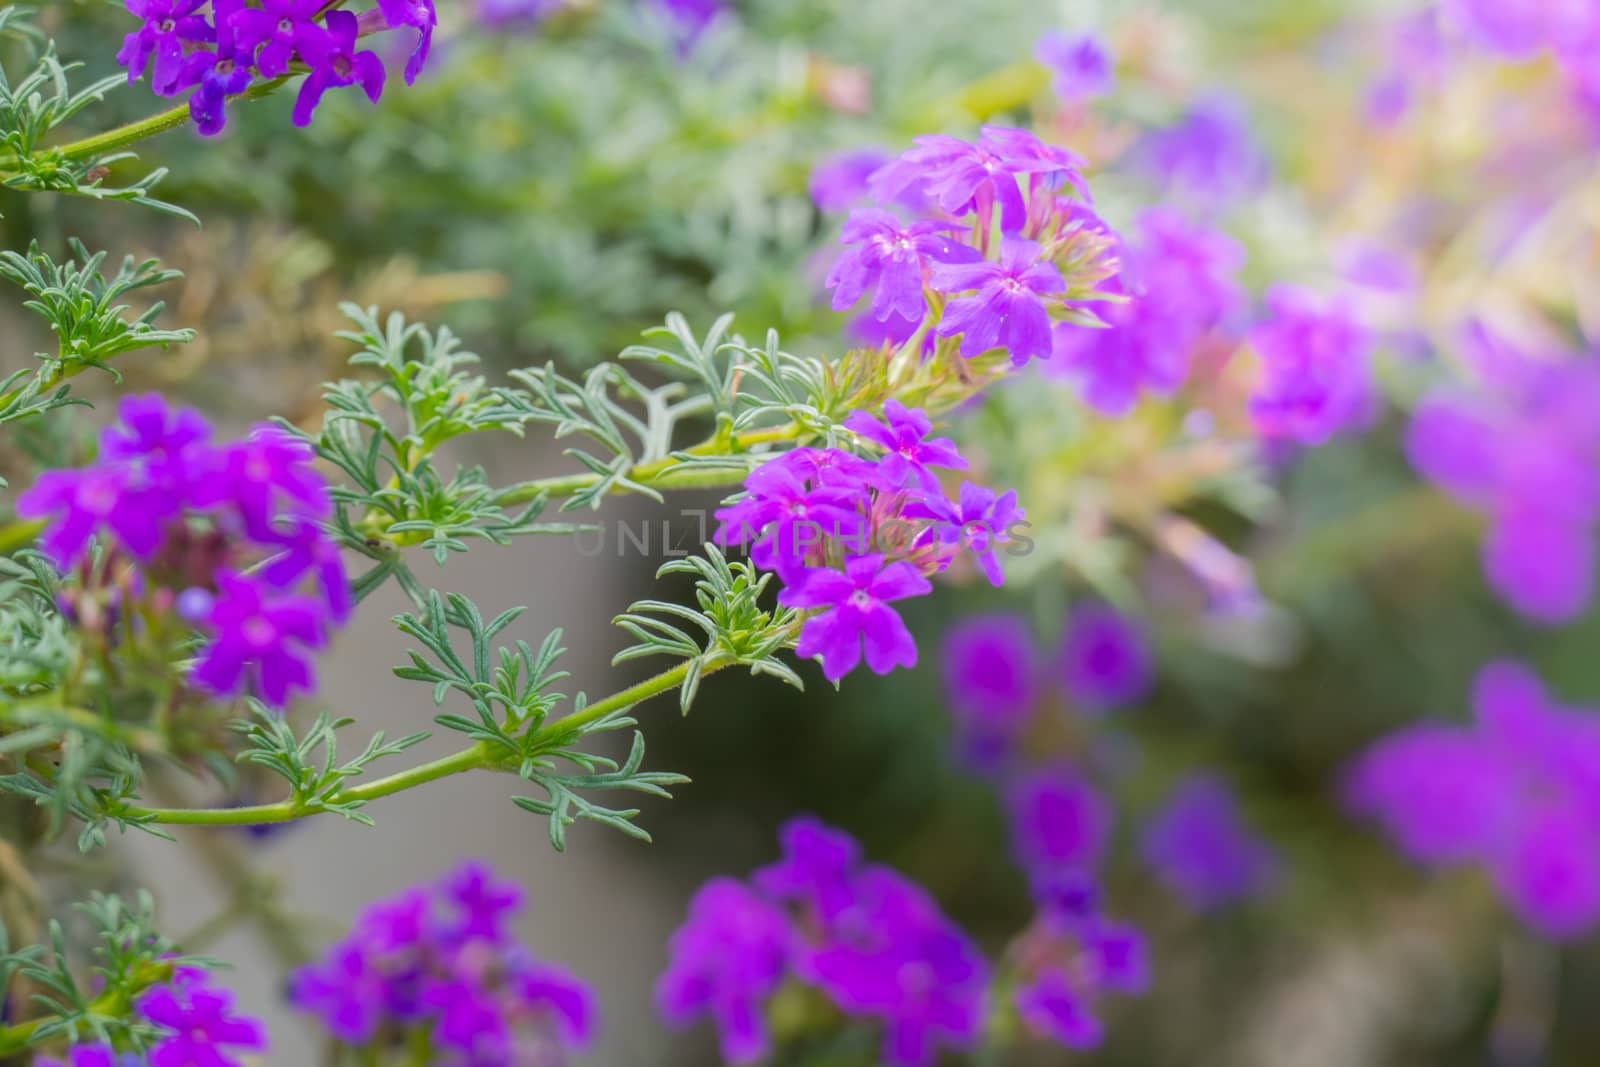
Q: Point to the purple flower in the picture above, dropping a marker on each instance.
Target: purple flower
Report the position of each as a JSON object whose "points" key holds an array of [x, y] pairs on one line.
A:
{"points": [[816, 867], [306, 549], [1053, 1007], [786, 517], [280, 29], [346, 990], [1008, 310], [1519, 793], [205, 1028], [343, 65], [1060, 824], [904, 437], [420, 15], [895, 956], [260, 644], [991, 677], [1081, 64], [482, 902], [169, 25], [892, 260], [726, 961], [1316, 373], [1106, 659], [80, 503], [148, 429], [564, 1003], [217, 76], [1119, 958], [268, 475], [979, 521], [963, 177], [1200, 846], [857, 611], [839, 182], [1209, 153], [1522, 449]]}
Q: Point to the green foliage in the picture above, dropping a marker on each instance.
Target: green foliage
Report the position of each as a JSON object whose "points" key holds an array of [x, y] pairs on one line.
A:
{"points": [[36, 645], [37, 104], [128, 955], [509, 691], [736, 629], [315, 780]]}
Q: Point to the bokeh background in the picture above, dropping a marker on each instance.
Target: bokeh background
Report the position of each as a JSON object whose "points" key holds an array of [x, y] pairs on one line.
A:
{"points": [[553, 187]]}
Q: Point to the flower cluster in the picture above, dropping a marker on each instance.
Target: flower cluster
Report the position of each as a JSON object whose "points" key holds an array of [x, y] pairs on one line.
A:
{"points": [[439, 965], [873, 942], [196, 1024], [990, 294], [1180, 291], [221, 52], [1522, 446], [849, 536], [224, 536], [1518, 793]]}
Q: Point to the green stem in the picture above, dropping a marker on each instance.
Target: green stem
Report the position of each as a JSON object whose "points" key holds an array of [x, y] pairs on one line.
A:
{"points": [[666, 473], [479, 756]]}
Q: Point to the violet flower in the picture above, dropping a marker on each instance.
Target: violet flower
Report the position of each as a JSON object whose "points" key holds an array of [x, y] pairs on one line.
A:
{"points": [[909, 453], [857, 613], [169, 25], [1316, 373], [1106, 659], [343, 65], [205, 1030], [1198, 844], [421, 16], [893, 260], [1082, 66], [280, 29], [261, 644], [1008, 310]]}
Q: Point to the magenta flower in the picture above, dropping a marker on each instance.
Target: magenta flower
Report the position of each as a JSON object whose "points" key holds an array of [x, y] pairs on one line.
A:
{"points": [[1316, 373], [205, 1029], [280, 29], [169, 25], [979, 521], [149, 430], [909, 453], [1081, 64], [1199, 845], [260, 644], [727, 959], [1209, 154], [1053, 1007], [857, 612], [346, 990], [892, 260], [421, 16], [816, 867], [1106, 659], [785, 519], [268, 475], [894, 955], [79, 503], [481, 902], [1516, 793], [1008, 310], [307, 550], [562, 1003], [1060, 823], [343, 65]]}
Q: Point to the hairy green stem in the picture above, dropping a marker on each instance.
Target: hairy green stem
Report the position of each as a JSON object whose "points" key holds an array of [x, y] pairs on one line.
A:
{"points": [[477, 757]]}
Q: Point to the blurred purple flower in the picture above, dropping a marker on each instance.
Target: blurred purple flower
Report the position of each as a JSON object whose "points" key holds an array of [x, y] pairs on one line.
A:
{"points": [[261, 645], [727, 959], [839, 182], [991, 676], [1198, 844], [1082, 65], [1316, 368], [1518, 793], [1106, 659], [1060, 824], [1209, 154]]}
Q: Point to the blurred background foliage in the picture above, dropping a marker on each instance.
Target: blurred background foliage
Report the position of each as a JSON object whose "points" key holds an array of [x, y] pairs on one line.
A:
{"points": [[552, 190]]}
